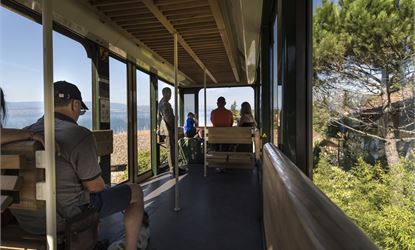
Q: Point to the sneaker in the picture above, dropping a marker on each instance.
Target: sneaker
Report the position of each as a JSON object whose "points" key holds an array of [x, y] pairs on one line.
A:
{"points": [[220, 170], [182, 171]]}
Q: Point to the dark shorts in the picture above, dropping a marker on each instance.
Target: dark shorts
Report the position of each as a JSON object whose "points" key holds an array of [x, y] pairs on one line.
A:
{"points": [[191, 132], [111, 200]]}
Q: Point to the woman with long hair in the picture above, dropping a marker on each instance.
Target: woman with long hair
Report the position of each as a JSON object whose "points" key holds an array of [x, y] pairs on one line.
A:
{"points": [[247, 119]]}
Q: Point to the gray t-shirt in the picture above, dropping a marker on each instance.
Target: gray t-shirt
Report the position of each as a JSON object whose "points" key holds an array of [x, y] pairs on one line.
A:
{"points": [[76, 162]]}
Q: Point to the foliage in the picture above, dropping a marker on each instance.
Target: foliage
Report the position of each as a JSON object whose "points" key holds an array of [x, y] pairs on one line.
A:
{"points": [[366, 193], [235, 111], [363, 60], [144, 160]]}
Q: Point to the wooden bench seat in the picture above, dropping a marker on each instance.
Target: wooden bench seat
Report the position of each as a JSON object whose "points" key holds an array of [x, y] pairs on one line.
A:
{"points": [[19, 176], [232, 137]]}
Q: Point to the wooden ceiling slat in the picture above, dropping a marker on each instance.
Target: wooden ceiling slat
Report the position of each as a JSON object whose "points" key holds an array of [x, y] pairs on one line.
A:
{"points": [[190, 17], [187, 12], [160, 3], [193, 20], [153, 27], [193, 24], [199, 32], [183, 6], [135, 24], [127, 19], [163, 19], [119, 7], [199, 27], [130, 12], [99, 3], [203, 39], [163, 35]]}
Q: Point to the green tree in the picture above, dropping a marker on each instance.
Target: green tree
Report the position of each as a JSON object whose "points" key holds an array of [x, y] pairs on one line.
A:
{"points": [[235, 111], [366, 47], [365, 192]]}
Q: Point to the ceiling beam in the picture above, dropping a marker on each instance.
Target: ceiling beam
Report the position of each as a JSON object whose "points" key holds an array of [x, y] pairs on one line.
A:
{"points": [[166, 23], [217, 14]]}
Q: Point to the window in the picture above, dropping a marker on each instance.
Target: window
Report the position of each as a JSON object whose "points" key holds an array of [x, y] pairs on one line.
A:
{"points": [[119, 120], [71, 64], [189, 104], [143, 122], [276, 88], [364, 113], [21, 69], [234, 98]]}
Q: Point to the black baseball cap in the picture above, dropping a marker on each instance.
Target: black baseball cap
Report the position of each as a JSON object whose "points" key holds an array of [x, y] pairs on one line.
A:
{"points": [[66, 90]]}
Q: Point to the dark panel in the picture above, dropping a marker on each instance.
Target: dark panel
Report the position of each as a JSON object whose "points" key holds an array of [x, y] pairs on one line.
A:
{"points": [[296, 80], [155, 149], [100, 75]]}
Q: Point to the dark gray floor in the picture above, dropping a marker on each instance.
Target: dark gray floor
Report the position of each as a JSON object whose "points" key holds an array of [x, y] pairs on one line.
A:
{"points": [[221, 211]]}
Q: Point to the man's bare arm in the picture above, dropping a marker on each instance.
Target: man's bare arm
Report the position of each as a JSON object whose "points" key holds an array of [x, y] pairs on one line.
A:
{"points": [[95, 185]]}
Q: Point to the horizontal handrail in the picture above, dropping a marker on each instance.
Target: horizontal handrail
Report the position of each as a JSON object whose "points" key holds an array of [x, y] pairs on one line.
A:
{"points": [[297, 215]]}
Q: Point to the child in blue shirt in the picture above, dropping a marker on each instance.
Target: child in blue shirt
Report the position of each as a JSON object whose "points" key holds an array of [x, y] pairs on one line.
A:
{"points": [[190, 125]]}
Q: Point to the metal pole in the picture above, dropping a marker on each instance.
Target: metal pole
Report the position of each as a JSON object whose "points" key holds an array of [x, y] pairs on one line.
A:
{"points": [[176, 136], [47, 22], [204, 130]]}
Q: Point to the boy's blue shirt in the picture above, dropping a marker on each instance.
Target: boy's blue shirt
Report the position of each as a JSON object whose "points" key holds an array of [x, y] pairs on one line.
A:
{"points": [[190, 122]]}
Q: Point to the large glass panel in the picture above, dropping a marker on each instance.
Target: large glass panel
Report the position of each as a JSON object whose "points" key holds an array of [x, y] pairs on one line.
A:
{"points": [[276, 88], [143, 122], [119, 120], [363, 117], [21, 69], [234, 98], [71, 64], [189, 105]]}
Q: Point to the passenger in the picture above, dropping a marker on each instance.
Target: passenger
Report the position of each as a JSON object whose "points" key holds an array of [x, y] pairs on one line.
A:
{"points": [[221, 117], [165, 121], [247, 119], [190, 125], [79, 184]]}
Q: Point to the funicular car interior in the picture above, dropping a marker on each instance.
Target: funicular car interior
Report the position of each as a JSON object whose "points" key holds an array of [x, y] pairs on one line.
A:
{"points": [[266, 199]]}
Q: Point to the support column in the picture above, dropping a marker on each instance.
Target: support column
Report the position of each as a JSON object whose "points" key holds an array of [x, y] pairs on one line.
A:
{"points": [[205, 128], [297, 82], [155, 148], [266, 85], [176, 136], [132, 121], [181, 113], [49, 123], [101, 100]]}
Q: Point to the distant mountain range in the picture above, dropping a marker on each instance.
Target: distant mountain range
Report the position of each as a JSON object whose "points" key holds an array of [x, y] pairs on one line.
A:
{"points": [[22, 114]]}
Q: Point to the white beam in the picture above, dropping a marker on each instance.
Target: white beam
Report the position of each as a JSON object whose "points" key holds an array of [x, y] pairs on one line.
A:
{"points": [[49, 123], [224, 35]]}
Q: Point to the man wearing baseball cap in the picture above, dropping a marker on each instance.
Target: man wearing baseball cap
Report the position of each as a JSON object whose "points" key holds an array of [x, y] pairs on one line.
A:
{"points": [[79, 184]]}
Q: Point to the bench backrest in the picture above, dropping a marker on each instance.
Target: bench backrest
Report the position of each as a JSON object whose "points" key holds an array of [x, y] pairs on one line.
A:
{"points": [[19, 175], [297, 215], [230, 135]]}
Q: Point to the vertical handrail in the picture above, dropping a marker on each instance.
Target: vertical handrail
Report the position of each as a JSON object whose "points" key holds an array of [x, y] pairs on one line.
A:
{"points": [[47, 28], [176, 136], [204, 130]]}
